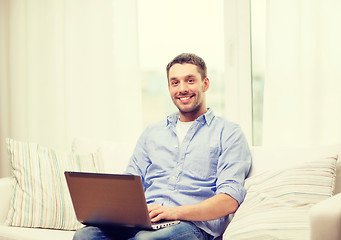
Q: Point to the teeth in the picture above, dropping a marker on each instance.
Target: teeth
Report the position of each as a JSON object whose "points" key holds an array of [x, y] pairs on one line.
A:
{"points": [[184, 98]]}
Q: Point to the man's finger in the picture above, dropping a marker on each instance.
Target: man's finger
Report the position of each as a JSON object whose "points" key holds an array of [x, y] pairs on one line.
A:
{"points": [[155, 212], [157, 217], [152, 207]]}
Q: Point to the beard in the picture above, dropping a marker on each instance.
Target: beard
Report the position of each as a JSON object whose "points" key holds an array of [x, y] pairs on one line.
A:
{"points": [[192, 108]]}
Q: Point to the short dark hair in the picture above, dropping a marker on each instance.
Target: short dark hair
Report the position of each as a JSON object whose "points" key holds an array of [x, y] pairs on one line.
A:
{"points": [[192, 59]]}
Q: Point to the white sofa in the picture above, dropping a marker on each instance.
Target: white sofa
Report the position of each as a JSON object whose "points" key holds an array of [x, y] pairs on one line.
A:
{"points": [[325, 217]]}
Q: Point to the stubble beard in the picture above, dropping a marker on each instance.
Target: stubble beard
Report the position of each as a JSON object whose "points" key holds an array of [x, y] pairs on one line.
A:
{"points": [[193, 110]]}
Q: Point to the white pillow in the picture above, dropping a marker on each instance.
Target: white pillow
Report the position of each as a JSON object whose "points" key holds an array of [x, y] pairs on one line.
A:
{"points": [[115, 155], [272, 158], [277, 202], [41, 197]]}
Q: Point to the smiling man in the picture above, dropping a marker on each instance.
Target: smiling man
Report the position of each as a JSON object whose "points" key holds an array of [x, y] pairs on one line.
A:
{"points": [[192, 165], [187, 87]]}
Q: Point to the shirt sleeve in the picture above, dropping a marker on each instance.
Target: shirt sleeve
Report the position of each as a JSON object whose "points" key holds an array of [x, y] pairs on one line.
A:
{"points": [[234, 164], [139, 161]]}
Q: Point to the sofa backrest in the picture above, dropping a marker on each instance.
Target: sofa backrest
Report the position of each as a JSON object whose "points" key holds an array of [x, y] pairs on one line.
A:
{"points": [[274, 158], [6, 191], [116, 156]]}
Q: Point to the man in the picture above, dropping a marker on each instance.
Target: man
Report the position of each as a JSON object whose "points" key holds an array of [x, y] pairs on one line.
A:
{"points": [[192, 165]]}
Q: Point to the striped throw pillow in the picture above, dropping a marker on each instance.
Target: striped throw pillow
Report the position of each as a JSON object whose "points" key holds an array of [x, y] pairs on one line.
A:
{"points": [[277, 203], [41, 197]]}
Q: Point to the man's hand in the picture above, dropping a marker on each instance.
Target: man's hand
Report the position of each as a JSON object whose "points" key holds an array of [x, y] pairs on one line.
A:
{"points": [[158, 212], [212, 208]]}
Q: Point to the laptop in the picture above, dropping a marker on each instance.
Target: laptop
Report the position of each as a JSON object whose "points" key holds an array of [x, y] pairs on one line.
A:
{"points": [[101, 199]]}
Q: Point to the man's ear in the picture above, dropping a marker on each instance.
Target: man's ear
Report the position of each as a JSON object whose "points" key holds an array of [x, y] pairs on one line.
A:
{"points": [[206, 84]]}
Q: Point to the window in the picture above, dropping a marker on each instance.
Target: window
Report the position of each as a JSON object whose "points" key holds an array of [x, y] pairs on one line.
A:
{"points": [[168, 28], [258, 16]]}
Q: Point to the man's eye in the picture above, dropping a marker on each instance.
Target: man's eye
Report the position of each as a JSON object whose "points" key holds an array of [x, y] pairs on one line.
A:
{"points": [[174, 83], [190, 80]]}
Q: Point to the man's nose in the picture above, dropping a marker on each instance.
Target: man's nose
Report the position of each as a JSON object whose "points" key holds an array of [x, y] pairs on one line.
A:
{"points": [[183, 87]]}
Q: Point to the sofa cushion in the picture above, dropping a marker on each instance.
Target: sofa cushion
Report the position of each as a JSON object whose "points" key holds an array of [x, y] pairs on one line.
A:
{"points": [[10, 233], [5, 199], [278, 201], [115, 155], [41, 197], [272, 158]]}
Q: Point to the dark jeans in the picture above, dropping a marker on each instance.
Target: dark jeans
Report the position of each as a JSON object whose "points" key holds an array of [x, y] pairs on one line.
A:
{"points": [[182, 231]]}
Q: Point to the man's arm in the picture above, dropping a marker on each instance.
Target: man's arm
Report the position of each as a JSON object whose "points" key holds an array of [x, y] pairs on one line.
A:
{"points": [[212, 208]]}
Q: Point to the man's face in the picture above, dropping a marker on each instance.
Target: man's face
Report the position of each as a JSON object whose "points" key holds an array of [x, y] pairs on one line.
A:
{"points": [[187, 90]]}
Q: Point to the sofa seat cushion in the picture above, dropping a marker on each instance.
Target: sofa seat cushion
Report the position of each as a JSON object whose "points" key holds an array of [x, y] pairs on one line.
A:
{"points": [[14, 233]]}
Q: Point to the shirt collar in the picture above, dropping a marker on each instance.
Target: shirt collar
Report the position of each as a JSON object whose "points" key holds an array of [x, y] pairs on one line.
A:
{"points": [[205, 118]]}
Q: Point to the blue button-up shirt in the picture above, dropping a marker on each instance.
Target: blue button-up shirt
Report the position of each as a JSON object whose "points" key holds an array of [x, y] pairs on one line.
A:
{"points": [[213, 158]]}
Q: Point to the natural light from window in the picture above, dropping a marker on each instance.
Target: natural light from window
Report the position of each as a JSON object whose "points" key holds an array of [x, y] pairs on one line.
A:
{"points": [[168, 28]]}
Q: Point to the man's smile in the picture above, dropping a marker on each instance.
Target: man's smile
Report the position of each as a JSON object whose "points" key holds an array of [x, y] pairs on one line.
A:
{"points": [[185, 99]]}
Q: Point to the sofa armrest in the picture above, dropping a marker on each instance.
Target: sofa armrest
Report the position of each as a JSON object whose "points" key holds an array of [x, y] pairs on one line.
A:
{"points": [[6, 189], [325, 219]]}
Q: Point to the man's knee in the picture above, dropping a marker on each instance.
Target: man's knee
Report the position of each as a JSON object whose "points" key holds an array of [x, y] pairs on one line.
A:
{"points": [[87, 233], [153, 235], [78, 234], [182, 231]]}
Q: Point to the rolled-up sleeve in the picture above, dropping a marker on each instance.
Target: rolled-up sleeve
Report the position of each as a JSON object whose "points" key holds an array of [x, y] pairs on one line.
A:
{"points": [[234, 164]]}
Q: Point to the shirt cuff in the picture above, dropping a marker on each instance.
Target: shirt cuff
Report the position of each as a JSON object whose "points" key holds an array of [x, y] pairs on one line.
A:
{"points": [[237, 193]]}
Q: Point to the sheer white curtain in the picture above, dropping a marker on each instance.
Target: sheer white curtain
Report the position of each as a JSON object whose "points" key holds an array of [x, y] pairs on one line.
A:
{"points": [[68, 69], [302, 97], [238, 93]]}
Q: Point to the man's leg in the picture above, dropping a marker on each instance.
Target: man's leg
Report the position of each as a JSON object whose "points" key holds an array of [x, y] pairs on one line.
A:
{"points": [[181, 231], [95, 233]]}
